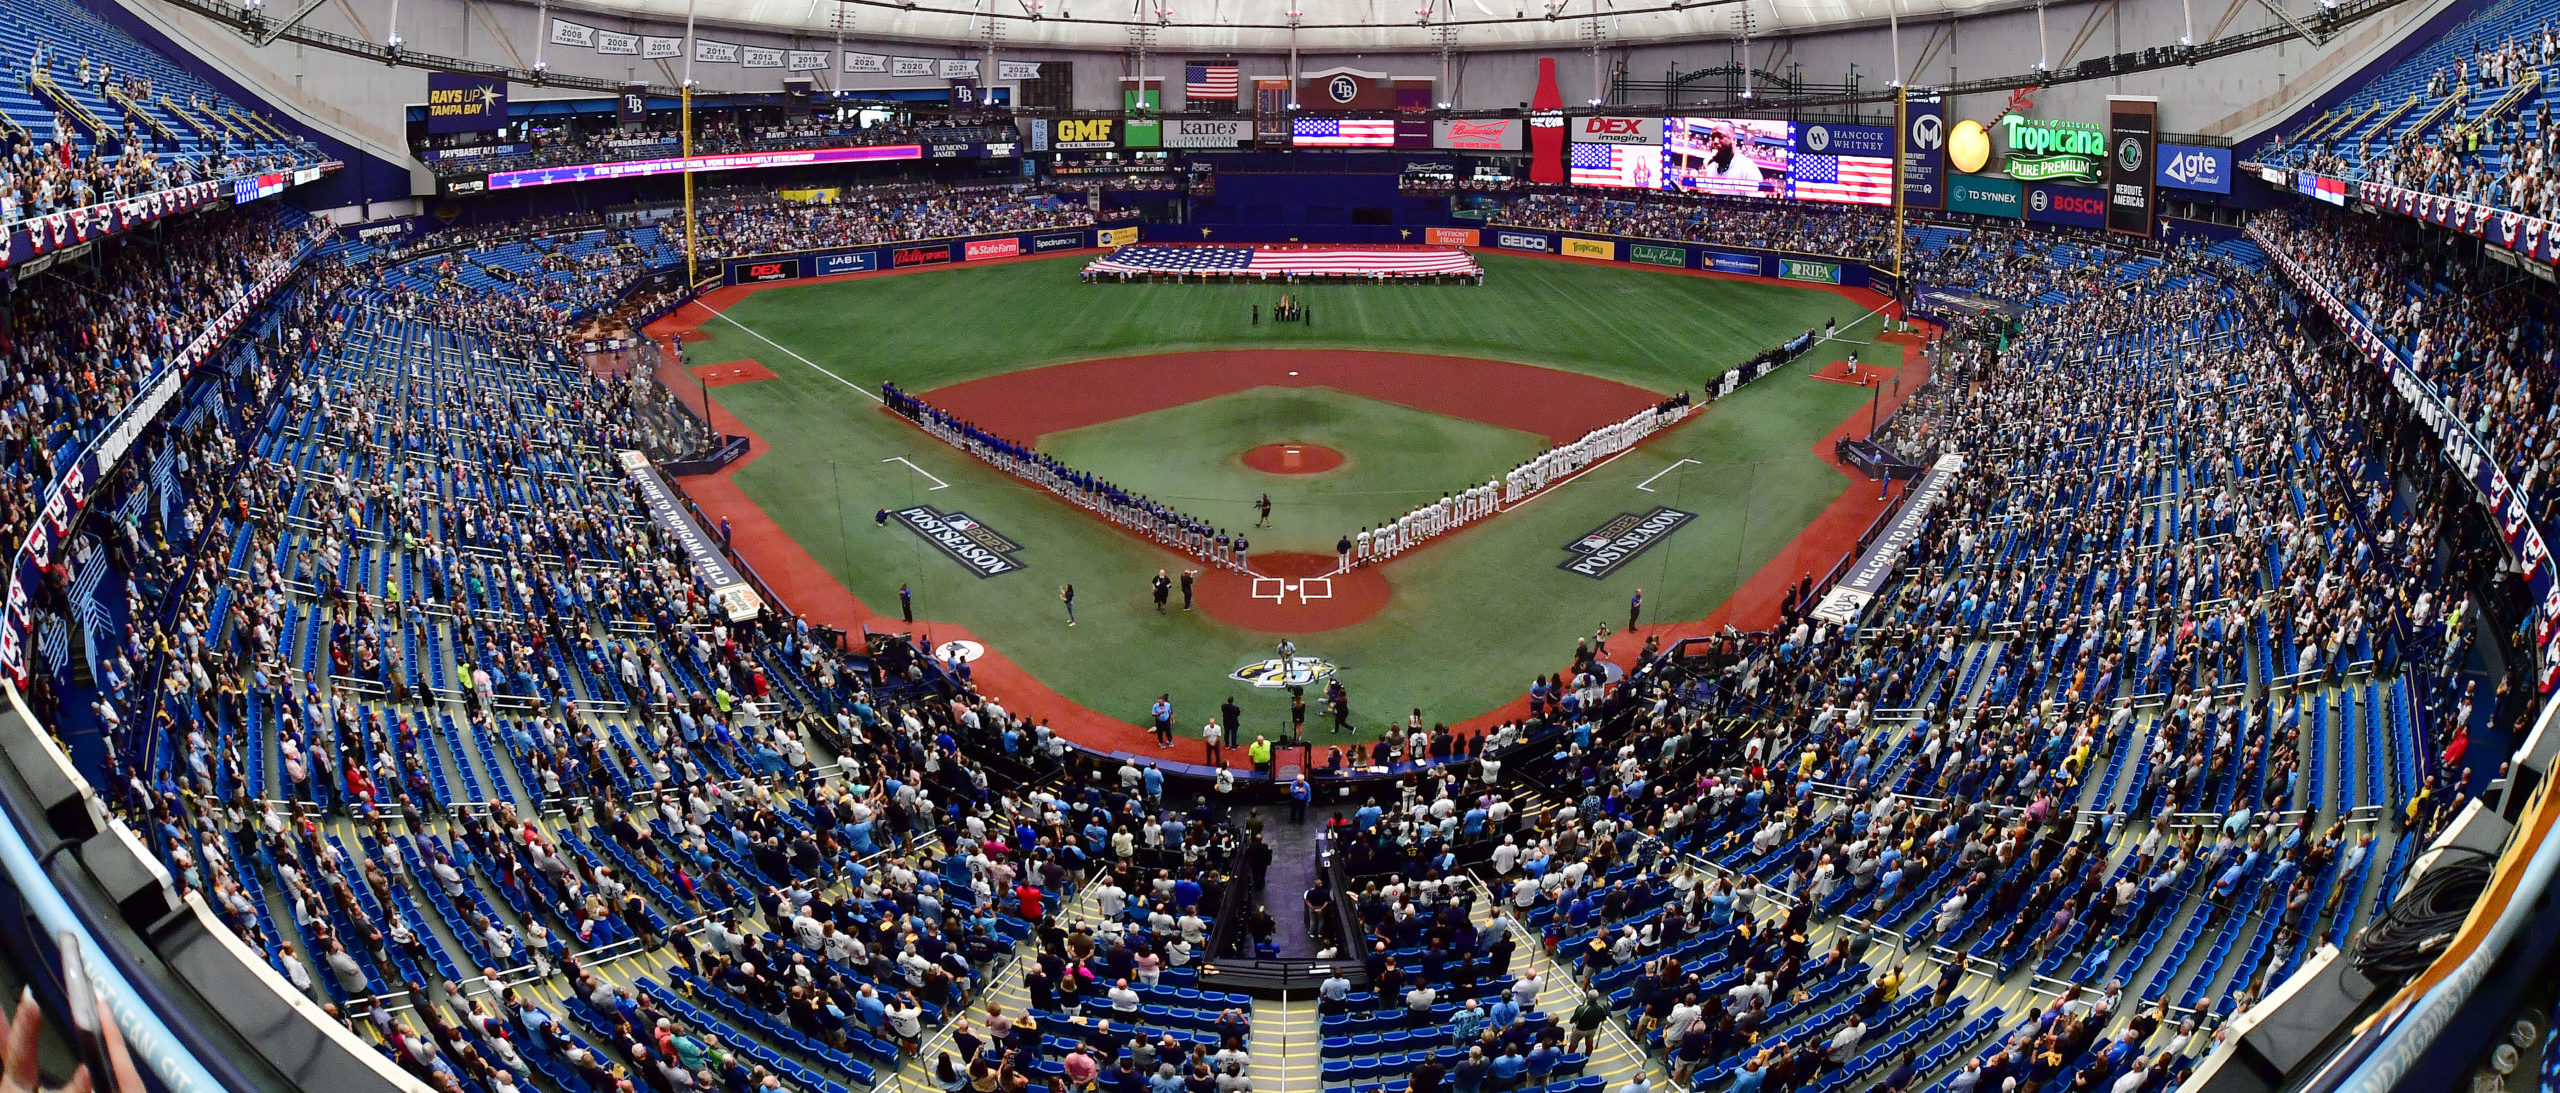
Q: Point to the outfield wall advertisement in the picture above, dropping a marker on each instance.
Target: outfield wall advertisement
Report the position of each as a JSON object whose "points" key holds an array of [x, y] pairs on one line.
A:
{"points": [[1741, 261], [911, 254]]}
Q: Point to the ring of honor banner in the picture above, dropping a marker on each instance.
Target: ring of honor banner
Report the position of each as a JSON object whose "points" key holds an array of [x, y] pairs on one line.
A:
{"points": [[2133, 134]]}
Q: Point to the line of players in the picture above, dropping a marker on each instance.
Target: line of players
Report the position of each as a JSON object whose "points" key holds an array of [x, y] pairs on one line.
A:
{"points": [[1453, 511], [1172, 527]]}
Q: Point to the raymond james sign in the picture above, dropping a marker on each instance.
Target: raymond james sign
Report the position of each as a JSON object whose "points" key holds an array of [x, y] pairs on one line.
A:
{"points": [[736, 598]]}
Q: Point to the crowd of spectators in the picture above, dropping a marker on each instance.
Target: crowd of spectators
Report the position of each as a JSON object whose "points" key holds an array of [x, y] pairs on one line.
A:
{"points": [[513, 737], [1809, 228], [765, 222], [576, 141], [48, 169]]}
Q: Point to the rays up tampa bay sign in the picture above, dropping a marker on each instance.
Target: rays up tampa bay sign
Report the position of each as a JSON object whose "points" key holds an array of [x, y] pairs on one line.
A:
{"points": [[2043, 150]]}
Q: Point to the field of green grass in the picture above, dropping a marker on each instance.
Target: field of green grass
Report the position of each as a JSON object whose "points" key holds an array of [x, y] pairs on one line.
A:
{"points": [[1471, 619]]}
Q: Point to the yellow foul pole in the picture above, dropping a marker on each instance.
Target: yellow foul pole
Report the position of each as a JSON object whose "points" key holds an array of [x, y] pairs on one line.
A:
{"points": [[1901, 135], [685, 149]]}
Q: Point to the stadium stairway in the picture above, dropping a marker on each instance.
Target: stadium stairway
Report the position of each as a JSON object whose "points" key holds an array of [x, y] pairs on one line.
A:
{"points": [[1615, 1057]]}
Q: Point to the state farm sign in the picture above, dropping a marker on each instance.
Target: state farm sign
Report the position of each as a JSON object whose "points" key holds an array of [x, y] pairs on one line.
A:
{"points": [[1644, 131]]}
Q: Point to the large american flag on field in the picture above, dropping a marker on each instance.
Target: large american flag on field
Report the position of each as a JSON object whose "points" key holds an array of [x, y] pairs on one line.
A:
{"points": [[1211, 80], [1188, 259], [1344, 133], [1619, 166], [1855, 180]]}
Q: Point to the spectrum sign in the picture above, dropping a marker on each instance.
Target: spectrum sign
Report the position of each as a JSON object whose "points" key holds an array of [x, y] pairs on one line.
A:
{"points": [[731, 161]]}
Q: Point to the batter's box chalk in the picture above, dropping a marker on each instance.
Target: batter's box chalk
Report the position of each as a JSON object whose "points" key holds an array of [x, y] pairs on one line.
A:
{"points": [[1315, 588], [1270, 588]]}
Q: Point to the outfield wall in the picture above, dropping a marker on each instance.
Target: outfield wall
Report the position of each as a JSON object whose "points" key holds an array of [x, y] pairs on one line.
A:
{"points": [[756, 269], [1829, 271]]}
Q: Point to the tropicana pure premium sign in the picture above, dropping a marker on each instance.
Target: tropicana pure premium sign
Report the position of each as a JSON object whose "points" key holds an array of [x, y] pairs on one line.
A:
{"points": [[2042, 150]]}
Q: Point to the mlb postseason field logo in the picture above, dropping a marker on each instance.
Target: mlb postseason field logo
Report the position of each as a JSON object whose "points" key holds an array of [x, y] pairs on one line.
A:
{"points": [[1621, 540], [975, 546]]}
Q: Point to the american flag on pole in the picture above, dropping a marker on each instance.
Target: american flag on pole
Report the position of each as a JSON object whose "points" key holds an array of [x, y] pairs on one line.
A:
{"points": [[1854, 180], [1211, 80], [1617, 166], [1319, 261], [1344, 133]]}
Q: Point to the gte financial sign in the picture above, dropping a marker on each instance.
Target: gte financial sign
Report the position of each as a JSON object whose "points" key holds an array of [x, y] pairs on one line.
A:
{"points": [[2042, 150]]}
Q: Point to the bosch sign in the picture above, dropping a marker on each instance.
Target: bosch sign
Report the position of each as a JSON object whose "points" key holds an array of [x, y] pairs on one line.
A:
{"points": [[2077, 206]]}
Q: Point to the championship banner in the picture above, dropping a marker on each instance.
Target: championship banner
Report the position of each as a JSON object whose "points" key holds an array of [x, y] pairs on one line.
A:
{"points": [[911, 66], [1924, 153], [654, 48], [615, 43], [866, 62], [760, 57], [566, 33], [729, 590], [1347, 89], [1017, 70], [465, 104], [2510, 510], [953, 68], [706, 51], [2133, 134], [808, 60]]}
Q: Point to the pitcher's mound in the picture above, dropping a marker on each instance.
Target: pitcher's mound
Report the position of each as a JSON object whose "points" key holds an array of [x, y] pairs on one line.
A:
{"points": [[1293, 459]]}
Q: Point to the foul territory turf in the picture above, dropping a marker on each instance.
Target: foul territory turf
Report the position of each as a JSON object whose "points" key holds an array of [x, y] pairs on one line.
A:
{"points": [[1467, 621]]}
